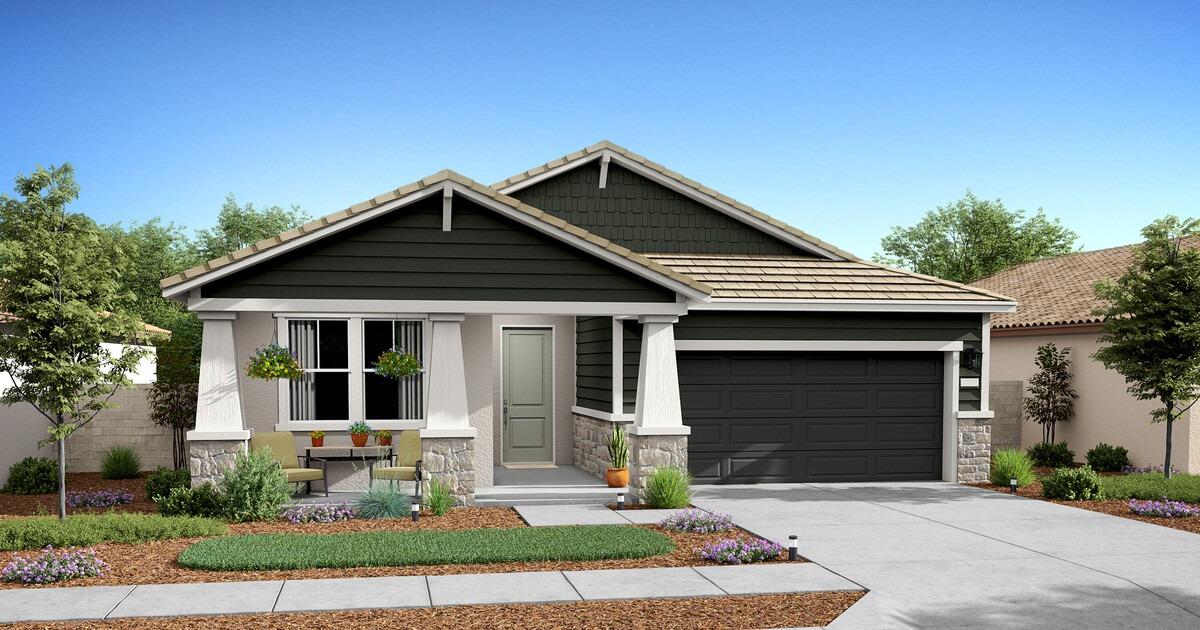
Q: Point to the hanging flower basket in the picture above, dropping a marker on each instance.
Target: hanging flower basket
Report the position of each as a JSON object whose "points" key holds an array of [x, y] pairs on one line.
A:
{"points": [[397, 364], [273, 362]]}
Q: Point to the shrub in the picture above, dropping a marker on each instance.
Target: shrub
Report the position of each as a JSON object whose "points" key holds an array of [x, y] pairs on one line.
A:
{"points": [[54, 566], [324, 513], [79, 530], [1107, 458], [1072, 484], [1151, 486], [1166, 509], [120, 462], [440, 498], [668, 488], [204, 501], [736, 551], [1010, 463], [697, 521], [382, 501], [32, 475], [98, 498], [162, 481], [1051, 455], [255, 489]]}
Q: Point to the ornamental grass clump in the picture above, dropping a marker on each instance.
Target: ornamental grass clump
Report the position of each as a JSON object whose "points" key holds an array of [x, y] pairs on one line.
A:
{"points": [[737, 551], [440, 498], [1009, 464], [120, 462], [324, 513], [53, 565], [382, 501], [668, 488], [1164, 508], [98, 498], [697, 521]]}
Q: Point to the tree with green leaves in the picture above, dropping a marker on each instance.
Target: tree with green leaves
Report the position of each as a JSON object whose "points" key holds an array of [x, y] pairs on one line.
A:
{"points": [[1051, 398], [61, 281], [242, 226], [972, 238], [1152, 322]]}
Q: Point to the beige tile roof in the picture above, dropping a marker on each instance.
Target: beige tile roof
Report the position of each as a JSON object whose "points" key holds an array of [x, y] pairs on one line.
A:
{"points": [[320, 224], [1058, 291], [769, 277], [150, 328], [590, 153]]}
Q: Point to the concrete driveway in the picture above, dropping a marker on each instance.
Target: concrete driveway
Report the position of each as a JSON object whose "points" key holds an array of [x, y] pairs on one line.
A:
{"points": [[938, 555]]}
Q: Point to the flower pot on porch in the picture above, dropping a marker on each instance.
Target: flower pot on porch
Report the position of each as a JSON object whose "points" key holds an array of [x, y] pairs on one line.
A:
{"points": [[617, 477], [384, 441], [359, 439], [318, 441]]}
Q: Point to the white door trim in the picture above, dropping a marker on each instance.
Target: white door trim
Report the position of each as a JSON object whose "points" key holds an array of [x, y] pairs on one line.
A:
{"points": [[553, 393]]}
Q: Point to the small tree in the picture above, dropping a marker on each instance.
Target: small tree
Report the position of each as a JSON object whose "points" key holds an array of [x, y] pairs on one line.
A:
{"points": [[60, 278], [1152, 322], [1051, 399]]}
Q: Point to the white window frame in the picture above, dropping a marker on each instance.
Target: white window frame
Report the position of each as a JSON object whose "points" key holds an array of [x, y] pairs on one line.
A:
{"points": [[394, 423]]}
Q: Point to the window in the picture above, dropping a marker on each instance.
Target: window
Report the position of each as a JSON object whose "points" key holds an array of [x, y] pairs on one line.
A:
{"points": [[322, 346], [385, 398]]}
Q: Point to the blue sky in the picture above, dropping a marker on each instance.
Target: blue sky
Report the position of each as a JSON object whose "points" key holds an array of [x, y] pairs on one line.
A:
{"points": [[842, 118]]}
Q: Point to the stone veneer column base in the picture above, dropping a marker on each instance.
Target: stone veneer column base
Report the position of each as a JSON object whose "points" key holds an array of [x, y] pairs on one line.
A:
{"points": [[648, 453], [450, 460], [209, 459], [590, 453], [974, 449]]}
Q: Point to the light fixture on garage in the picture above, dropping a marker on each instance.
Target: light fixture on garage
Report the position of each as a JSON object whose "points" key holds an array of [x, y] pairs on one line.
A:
{"points": [[971, 358]]}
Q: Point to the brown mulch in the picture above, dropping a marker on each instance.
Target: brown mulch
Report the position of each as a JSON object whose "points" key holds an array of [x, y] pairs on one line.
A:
{"points": [[31, 504], [1113, 507], [759, 611], [155, 562]]}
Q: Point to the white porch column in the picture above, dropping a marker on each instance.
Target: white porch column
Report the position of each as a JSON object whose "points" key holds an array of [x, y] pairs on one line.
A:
{"points": [[657, 411], [448, 439], [220, 433]]}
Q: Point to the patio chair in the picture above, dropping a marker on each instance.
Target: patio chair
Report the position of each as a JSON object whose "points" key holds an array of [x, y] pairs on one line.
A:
{"points": [[283, 448], [406, 461]]}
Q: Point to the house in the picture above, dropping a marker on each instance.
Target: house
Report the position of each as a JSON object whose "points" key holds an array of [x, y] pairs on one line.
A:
{"points": [[596, 289], [1057, 303]]}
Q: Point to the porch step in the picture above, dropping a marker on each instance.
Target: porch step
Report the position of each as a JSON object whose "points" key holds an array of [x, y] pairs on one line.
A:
{"points": [[546, 495]]}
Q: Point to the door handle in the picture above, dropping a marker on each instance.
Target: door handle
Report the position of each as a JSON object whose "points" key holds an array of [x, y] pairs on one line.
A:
{"points": [[506, 414]]}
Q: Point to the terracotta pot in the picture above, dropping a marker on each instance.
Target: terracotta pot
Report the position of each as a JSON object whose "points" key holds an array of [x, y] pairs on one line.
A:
{"points": [[318, 441], [617, 477], [387, 441], [359, 439]]}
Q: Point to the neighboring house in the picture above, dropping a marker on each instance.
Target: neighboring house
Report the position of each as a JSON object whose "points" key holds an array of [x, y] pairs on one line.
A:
{"points": [[598, 288], [126, 423], [1056, 305]]}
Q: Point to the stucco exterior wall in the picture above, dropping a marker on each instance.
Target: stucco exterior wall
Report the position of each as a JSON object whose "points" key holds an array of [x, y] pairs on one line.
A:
{"points": [[1104, 411]]}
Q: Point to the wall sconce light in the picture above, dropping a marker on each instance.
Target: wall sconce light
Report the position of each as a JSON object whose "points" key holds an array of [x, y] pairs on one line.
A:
{"points": [[972, 358]]}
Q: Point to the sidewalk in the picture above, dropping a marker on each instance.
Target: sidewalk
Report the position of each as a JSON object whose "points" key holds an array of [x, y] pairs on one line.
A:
{"points": [[228, 598]]}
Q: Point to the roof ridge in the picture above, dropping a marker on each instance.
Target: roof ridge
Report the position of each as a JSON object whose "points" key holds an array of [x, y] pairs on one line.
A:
{"points": [[959, 285]]}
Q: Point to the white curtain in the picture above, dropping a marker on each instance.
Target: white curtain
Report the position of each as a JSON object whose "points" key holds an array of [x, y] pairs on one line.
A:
{"points": [[408, 338], [302, 339]]}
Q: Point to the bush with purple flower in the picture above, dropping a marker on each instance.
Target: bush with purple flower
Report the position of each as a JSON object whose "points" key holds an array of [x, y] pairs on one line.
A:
{"points": [[1134, 470], [98, 498], [1164, 508], [738, 551], [697, 521], [54, 566], [324, 513]]}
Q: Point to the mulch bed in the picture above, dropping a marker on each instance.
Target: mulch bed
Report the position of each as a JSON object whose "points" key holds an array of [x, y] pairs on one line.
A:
{"points": [[31, 504], [760, 611], [1114, 507], [155, 562]]}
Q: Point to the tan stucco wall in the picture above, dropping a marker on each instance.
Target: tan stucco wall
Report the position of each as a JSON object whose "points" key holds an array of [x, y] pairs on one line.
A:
{"points": [[1104, 411]]}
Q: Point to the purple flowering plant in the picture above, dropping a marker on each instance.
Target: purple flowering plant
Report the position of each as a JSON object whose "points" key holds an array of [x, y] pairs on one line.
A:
{"points": [[324, 513], [54, 566], [1133, 470], [737, 551], [697, 521], [98, 498], [1165, 508]]}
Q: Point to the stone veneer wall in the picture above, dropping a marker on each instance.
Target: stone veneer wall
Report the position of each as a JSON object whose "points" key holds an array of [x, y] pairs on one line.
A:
{"points": [[974, 449], [209, 459], [590, 452], [452, 461], [648, 453], [1005, 402]]}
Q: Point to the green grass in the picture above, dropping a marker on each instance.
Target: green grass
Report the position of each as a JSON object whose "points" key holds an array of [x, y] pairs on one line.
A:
{"points": [[1180, 487], [390, 549], [91, 529]]}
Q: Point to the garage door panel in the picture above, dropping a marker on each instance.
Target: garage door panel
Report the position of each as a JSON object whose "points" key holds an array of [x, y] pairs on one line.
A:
{"points": [[910, 368], [915, 434], [765, 366], [701, 401], [763, 467], [705, 469], [758, 400], [835, 366], [820, 434], [890, 400], [907, 464], [840, 399]]}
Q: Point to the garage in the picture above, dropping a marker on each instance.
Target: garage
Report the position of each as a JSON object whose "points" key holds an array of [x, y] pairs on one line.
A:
{"points": [[761, 417]]}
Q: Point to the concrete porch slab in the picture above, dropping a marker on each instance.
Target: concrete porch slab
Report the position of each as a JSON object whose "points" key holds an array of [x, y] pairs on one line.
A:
{"points": [[532, 587], [351, 593], [593, 514]]}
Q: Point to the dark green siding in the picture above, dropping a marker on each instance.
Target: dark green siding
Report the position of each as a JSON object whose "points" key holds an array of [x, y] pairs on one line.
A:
{"points": [[645, 216], [593, 363], [632, 354], [405, 255], [841, 326]]}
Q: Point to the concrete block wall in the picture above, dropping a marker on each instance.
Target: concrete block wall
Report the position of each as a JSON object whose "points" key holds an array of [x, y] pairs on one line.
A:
{"points": [[1005, 401], [127, 423]]}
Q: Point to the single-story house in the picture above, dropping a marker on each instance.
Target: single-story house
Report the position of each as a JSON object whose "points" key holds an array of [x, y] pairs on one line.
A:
{"points": [[1056, 305], [599, 288]]}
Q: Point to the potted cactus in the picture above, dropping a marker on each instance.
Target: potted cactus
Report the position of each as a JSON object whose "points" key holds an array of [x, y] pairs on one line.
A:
{"points": [[317, 437], [359, 431], [617, 475], [383, 437]]}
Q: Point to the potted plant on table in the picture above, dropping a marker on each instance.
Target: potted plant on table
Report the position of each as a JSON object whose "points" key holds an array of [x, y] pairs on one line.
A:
{"points": [[383, 437], [359, 431], [617, 474], [317, 437]]}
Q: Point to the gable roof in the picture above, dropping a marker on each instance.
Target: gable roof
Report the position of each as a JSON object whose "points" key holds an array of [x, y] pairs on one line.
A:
{"points": [[1058, 291], [7, 318], [770, 277], [692, 188], [443, 180]]}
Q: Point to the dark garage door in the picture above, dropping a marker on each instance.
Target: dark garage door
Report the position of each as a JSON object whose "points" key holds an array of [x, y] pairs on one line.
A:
{"points": [[820, 416]]}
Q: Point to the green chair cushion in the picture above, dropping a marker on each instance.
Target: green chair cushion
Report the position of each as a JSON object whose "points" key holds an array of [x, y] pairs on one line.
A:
{"points": [[281, 444], [396, 473], [303, 474], [408, 448]]}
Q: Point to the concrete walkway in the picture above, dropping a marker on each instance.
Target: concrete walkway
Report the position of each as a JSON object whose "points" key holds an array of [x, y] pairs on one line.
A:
{"points": [[938, 555], [546, 515], [227, 598]]}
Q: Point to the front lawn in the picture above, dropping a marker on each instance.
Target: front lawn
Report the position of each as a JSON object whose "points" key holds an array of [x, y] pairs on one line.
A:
{"points": [[1152, 486], [79, 530], [259, 552]]}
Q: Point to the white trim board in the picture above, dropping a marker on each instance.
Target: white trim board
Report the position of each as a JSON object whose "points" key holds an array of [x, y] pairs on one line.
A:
{"points": [[389, 307], [891, 306], [793, 345], [602, 415]]}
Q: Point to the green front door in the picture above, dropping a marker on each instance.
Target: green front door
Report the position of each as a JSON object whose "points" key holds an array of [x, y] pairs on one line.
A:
{"points": [[527, 421]]}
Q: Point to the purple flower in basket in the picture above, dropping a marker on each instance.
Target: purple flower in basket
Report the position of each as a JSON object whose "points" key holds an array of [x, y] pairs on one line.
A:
{"points": [[697, 521], [54, 566], [323, 513], [1164, 508], [98, 498], [736, 551]]}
